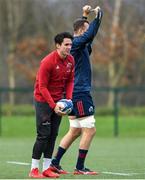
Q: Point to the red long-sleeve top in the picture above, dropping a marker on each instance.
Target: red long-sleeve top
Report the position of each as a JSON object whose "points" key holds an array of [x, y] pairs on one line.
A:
{"points": [[54, 78]]}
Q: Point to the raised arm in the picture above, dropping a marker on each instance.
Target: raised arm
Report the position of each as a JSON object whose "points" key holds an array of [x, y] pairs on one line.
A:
{"points": [[88, 36]]}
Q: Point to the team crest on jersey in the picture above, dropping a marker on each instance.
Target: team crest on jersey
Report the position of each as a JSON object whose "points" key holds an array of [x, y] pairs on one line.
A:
{"points": [[69, 65], [91, 109], [57, 67]]}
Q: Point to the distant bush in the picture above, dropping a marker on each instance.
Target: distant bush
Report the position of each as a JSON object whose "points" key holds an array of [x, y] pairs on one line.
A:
{"points": [[28, 109], [122, 111], [25, 109]]}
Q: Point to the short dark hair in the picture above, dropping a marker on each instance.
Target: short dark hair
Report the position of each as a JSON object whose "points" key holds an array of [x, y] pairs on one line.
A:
{"points": [[58, 39], [79, 23]]}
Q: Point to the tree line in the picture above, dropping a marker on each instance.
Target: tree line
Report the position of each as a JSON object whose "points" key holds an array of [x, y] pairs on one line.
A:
{"points": [[28, 27]]}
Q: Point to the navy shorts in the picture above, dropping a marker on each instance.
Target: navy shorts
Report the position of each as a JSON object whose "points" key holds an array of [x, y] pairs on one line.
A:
{"points": [[82, 105]]}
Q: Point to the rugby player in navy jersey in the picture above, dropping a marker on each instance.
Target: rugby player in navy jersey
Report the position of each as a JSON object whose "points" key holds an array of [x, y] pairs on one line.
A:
{"points": [[82, 121], [54, 78]]}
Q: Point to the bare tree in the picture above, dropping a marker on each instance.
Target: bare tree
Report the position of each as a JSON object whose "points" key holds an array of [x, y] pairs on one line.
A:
{"points": [[113, 77], [14, 18], [118, 48]]}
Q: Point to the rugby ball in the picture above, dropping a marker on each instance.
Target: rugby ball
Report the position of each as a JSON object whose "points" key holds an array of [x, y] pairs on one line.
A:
{"points": [[66, 104]]}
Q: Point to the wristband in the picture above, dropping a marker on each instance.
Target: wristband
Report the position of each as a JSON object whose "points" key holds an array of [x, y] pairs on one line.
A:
{"points": [[84, 17]]}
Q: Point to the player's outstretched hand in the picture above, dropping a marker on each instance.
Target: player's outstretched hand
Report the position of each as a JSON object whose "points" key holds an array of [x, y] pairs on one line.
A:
{"points": [[86, 10], [96, 10]]}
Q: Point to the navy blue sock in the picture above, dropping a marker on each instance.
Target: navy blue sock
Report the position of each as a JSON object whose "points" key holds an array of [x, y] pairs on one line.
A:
{"points": [[81, 158], [58, 156]]}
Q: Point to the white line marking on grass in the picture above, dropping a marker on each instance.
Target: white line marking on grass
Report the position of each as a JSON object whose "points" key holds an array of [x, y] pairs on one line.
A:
{"points": [[115, 173], [122, 174], [104, 172], [18, 163]]}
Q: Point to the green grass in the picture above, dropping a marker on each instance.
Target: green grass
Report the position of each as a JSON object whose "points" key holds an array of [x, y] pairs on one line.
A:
{"points": [[115, 155], [124, 154], [128, 126], [24, 126]]}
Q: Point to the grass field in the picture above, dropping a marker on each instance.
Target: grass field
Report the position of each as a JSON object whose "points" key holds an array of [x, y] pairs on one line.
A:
{"points": [[115, 158], [24, 126]]}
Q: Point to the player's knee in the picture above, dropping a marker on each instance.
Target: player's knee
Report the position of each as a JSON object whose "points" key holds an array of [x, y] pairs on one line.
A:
{"points": [[75, 132], [89, 132], [44, 131], [43, 137], [46, 137], [93, 131]]}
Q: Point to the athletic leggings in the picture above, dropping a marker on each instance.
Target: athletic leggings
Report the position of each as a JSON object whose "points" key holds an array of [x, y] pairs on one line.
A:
{"points": [[47, 125]]}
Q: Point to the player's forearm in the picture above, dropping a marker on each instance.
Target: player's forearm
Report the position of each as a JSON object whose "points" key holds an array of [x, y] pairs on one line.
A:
{"points": [[69, 90], [46, 95], [95, 24], [99, 15]]}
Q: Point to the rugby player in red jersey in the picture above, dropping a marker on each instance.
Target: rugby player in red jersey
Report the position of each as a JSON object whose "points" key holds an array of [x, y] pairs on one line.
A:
{"points": [[54, 81]]}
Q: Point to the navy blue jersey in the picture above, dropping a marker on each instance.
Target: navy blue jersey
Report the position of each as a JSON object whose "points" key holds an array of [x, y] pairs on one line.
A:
{"points": [[81, 50]]}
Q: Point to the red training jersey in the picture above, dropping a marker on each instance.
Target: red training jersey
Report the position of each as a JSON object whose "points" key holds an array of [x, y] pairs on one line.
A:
{"points": [[54, 78]]}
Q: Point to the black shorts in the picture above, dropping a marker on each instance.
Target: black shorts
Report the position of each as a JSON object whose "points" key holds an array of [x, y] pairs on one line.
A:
{"points": [[82, 105]]}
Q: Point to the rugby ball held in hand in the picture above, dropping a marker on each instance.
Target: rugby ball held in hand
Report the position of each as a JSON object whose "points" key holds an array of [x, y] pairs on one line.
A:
{"points": [[66, 104]]}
